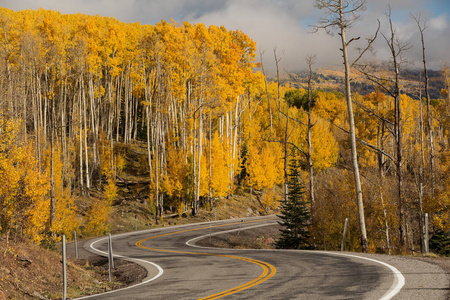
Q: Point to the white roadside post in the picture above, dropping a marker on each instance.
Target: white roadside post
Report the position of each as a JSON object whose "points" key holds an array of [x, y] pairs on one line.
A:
{"points": [[64, 267], [110, 257], [240, 225], [76, 246], [343, 237], [427, 245]]}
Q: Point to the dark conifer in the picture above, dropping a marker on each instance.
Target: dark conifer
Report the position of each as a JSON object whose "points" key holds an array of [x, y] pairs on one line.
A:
{"points": [[295, 216]]}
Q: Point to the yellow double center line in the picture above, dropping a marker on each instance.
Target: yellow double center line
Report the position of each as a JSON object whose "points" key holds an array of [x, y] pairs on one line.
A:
{"points": [[268, 269]]}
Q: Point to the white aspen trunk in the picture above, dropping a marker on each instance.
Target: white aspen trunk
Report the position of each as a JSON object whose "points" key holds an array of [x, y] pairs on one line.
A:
{"points": [[45, 110], [157, 171], [210, 163], [194, 167], [200, 151], [81, 138], [221, 128], [126, 106], [421, 166], [286, 178], [135, 120], [119, 84], [52, 177], [161, 166], [309, 140], [351, 121], [84, 114], [234, 137], [429, 116], [94, 121]]}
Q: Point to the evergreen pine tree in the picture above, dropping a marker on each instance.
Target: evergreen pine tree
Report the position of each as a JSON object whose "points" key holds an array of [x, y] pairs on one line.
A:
{"points": [[295, 214]]}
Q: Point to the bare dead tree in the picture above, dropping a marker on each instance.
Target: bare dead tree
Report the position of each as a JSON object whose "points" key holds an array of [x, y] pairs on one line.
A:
{"points": [[422, 27], [267, 91], [340, 15], [310, 60], [391, 86]]}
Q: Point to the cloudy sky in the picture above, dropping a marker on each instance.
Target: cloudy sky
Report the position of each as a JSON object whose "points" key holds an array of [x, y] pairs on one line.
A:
{"points": [[281, 24]]}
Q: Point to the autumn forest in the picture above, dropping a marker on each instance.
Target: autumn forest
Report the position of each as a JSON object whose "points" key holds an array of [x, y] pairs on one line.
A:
{"points": [[78, 92]]}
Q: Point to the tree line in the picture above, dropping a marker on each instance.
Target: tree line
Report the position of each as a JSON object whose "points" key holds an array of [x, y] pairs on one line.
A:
{"points": [[76, 89]]}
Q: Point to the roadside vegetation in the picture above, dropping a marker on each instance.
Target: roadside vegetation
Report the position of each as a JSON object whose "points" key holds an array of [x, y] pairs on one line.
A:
{"points": [[107, 126]]}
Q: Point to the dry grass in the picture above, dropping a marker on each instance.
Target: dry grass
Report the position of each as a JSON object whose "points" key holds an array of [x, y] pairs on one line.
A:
{"points": [[28, 272]]}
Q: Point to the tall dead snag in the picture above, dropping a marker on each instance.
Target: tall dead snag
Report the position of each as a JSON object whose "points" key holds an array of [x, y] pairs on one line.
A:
{"points": [[310, 61], [340, 15], [397, 48], [392, 88], [422, 28]]}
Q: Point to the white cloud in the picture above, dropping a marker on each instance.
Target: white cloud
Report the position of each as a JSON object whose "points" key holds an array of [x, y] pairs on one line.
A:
{"points": [[439, 23], [276, 23]]}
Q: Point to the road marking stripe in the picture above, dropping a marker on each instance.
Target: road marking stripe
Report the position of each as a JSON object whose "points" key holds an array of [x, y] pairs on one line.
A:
{"points": [[397, 284], [268, 269], [399, 280], [160, 270]]}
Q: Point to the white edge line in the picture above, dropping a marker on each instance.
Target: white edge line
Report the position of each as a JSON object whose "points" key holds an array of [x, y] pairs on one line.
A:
{"points": [[399, 280], [160, 270]]}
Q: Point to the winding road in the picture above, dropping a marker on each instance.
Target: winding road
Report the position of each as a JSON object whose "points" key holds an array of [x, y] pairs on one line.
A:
{"points": [[178, 269]]}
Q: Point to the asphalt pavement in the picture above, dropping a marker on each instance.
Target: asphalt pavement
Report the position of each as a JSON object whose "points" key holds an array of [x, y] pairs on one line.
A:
{"points": [[178, 269]]}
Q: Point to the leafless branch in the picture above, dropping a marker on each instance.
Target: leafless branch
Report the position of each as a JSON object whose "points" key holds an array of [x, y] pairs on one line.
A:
{"points": [[370, 41], [364, 143]]}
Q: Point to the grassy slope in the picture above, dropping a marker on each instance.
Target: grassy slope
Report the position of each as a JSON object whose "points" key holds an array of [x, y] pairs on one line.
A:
{"points": [[29, 272]]}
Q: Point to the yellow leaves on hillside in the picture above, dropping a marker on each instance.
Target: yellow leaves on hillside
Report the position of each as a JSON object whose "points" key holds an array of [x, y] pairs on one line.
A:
{"points": [[330, 106], [24, 192], [174, 183], [325, 149], [23, 188], [97, 218], [65, 220], [264, 165], [220, 180]]}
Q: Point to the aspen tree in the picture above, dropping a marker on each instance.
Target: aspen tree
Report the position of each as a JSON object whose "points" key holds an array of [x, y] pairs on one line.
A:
{"points": [[341, 15], [422, 27], [397, 48]]}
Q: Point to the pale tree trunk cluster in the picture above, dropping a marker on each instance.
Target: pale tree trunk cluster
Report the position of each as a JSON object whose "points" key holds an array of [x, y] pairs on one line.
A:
{"points": [[171, 86], [341, 15]]}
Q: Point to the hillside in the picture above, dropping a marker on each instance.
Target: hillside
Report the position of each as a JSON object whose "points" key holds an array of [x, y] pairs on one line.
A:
{"points": [[330, 79]]}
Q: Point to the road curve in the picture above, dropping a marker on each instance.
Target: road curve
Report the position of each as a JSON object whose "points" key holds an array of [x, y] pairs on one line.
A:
{"points": [[177, 269]]}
